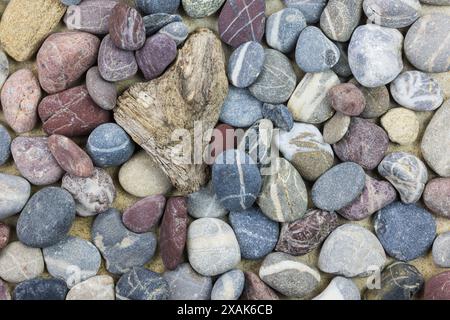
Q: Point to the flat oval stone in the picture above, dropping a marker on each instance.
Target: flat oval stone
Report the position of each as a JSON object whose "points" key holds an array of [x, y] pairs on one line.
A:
{"points": [[375, 196], [315, 52], [4, 291], [340, 18], [427, 46], [115, 64], [126, 27], [309, 102], [437, 196], [158, 52], [279, 114], [336, 128], [240, 109], [20, 97], [374, 68], [34, 160], [304, 147], [365, 143], [186, 284], [240, 22], [5, 232], [304, 235], [277, 80], [205, 204], [283, 197], [236, 180], [71, 113], [109, 145], [41, 289], [93, 195], [212, 247], [340, 288], [377, 100], [256, 234], [15, 194], [90, 16], [288, 275], [155, 22], [406, 231], [402, 125], [102, 92], [351, 251], [391, 13], [228, 286], [311, 9], [407, 173], [157, 6], [173, 232], [70, 156], [121, 248], [145, 214], [201, 8], [399, 281], [441, 250], [436, 288], [46, 218], [5, 145], [64, 57], [342, 68], [72, 260], [95, 288], [142, 284], [177, 31], [436, 140], [347, 99], [339, 186], [417, 91], [283, 29], [19, 262], [246, 64], [256, 289], [4, 68]]}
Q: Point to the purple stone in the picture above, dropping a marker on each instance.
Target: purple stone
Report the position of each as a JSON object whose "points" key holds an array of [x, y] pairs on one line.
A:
{"points": [[144, 214]]}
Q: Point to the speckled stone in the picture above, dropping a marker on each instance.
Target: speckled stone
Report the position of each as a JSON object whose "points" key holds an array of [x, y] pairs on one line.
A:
{"points": [[93, 195], [399, 281], [304, 235], [257, 142], [364, 143], [374, 68], [5, 144], [437, 2], [437, 196], [347, 99], [406, 173], [109, 145], [441, 250], [4, 291], [392, 14], [279, 115], [377, 100], [155, 22], [283, 29], [342, 68], [204, 204], [177, 31], [315, 52], [142, 284], [406, 231], [90, 16], [72, 260], [126, 27], [246, 64], [101, 91], [5, 232], [427, 45], [228, 286], [145, 214], [340, 18], [240, 109], [311, 9], [121, 248], [46, 218], [304, 147], [288, 275], [4, 68], [201, 8], [402, 125], [351, 251], [340, 288], [157, 6], [19, 262], [336, 128], [95, 288], [309, 102], [277, 80], [212, 247], [41, 289], [15, 194], [186, 284], [436, 288]]}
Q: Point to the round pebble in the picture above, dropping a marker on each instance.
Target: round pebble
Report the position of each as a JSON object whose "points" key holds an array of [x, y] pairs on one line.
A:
{"points": [[186, 284], [437, 196], [283, 29], [157, 6], [340, 18], [142, 284], [392, 13], [377, 100], [441, 250], [126, 28], [347, 99], [436, 288], [102, 92], [279, 114], [41, 289], [155, 22], [311, 9], [5, 145], [201, 8], [340, 288], [145, 214], [5, 232], [402, 125], [95, 288], [15, 194], [256, 289], [228, 286], [336, 128], [245, 64], [177, 31]]}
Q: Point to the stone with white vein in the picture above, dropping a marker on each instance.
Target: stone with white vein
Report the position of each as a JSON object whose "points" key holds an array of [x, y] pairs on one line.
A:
{"points": [[283, 29], [229, 286], [340, 288], [246, 64]]}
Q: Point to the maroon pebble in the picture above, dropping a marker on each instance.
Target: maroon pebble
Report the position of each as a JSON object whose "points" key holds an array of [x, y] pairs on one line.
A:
{"points": [[103, 93], [347, 99], [144, 214], [71, 113], [241, 21], [64, 57], [4, 291], [173, 232], [126, 27], [437, 196], [438, 287], [4, 236], [157, 54], [256, 289]]}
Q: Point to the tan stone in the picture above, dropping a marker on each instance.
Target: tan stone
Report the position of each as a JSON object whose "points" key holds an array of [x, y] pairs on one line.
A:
{"points": [[401, 125]]}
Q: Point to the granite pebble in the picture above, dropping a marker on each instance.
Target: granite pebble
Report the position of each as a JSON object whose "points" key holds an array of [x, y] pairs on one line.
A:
{"points": [[201, 8], [186, 284], [283, 29], [246, 64], [142, 284], [228, 286], [15, 194], [145, 214], [19, 262]]}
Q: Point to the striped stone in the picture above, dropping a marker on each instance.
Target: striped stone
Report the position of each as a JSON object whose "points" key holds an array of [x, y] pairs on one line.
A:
{"points": [[392, 13], [246, 64], [340, 18], [283, 29]]}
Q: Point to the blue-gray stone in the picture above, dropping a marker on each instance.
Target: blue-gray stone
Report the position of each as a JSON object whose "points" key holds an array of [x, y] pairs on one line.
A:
{"points": [[229, 286], [246, 64], [257, 235], [157, 6], [142, 284], [70, 2], [46, 218], [155, 22], [280, 116], [340, 18], [283, 29], [41, 289], [204, 204], [177, 31], [311, 9], [339, 186], [15, 192], [236, 180], [315, 52], [392, 14], [342, 68], [406, 231], [240, 109], [109, 145], [5, 144], [186, 284], [121, 248]]}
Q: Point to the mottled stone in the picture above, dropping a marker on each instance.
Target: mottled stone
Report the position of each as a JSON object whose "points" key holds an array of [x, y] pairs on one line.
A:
{"points": [[340, 18], [347, 99], [283, 29], [228, 286], [41, 289], [5, 145], [155, 22], [392, 13], [142, 284], [15, 194], [311, 9], [336, 128], [19, 262], [340, 288], [407, 173], [256, 289], [437, 196], [90, 16], [240, 109], [406, 231], [402, 125], [126, 27], [279, 114], [186, 284], [95, 288], [436, 288], [157, 6], [342, 68], [5, 232], [20, 97], [4, 291], [177, 31], [205, 204], [257, 143], [351, 251], [441, 250], [201, 8], [102, 92], [145, 214], [377, 100], [246, 64], [306, 234], [94, 194]]}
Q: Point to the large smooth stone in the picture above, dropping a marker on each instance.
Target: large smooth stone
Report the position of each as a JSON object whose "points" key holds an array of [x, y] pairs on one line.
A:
{"points": [[95, 288], [205, 204], [311, 9], [340, 288], [283, 29], [142, 284], [90, 16], [246, 64], [15, 194], [240, 109], [437, 196], [228, 286], [41, 289], [186, 284], [19, 262], [392, 13], [340, 18], [436, 288]]}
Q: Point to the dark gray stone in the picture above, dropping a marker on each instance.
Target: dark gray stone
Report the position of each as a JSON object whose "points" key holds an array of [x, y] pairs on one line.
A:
{"points": [[280, 116], [41, 289], [5, 144], [157, 6], [177, 31], [155, 22], [246, 64], [142, 284]]}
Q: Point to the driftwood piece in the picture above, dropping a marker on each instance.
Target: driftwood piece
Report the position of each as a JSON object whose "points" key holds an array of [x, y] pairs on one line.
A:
{"points": [[190, 93]]}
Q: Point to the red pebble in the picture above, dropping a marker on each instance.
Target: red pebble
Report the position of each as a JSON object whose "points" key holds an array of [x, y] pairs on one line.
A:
{"points": [[347, 99], [256, 289], [144, 214], [438, 287], [126, 27]]}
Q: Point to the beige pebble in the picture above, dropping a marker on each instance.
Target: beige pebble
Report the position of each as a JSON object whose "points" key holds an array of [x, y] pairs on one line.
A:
{"points": [[401, 125], [19, 262], [95, 288]]}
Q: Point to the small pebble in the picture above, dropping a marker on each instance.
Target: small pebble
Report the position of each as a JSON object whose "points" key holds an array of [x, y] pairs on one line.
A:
{"points": [[240, 109], [340, 288], [228, 286], [177, 31], [392, 13], [340, 18], [95, 288], [15, 194], [436, 288], [377, 100], [4, 291], [204, 204], [256, 289], [142, 284], [311, 9], [186, 284], [279, 114], [441, 250], [19, 262], [126, 27], [402, 125], [336, 128], [246, 64], [201, 8], [347, 99], [5, 232], [41, 289], [157, 6], [145, 214], [102, 92], [437, 196], [5, 145], [155, 22], [283, 29]]}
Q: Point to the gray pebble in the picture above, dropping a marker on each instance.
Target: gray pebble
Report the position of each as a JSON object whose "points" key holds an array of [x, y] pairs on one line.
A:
{"points": [[340, 288], [392, 13], [15, 194], [246, 64], [5, 143], [257, 142], [201, 8], [228, 286], [377, 100], [103, 93], [70, 2], [240, 109], [283, 29], [311, 9], [142, 284], [177, 31], [186, 284], [155, 22], [340, 18], [157, 6], [342, 68], [279, 114], [204, 204], [441, 250]]}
